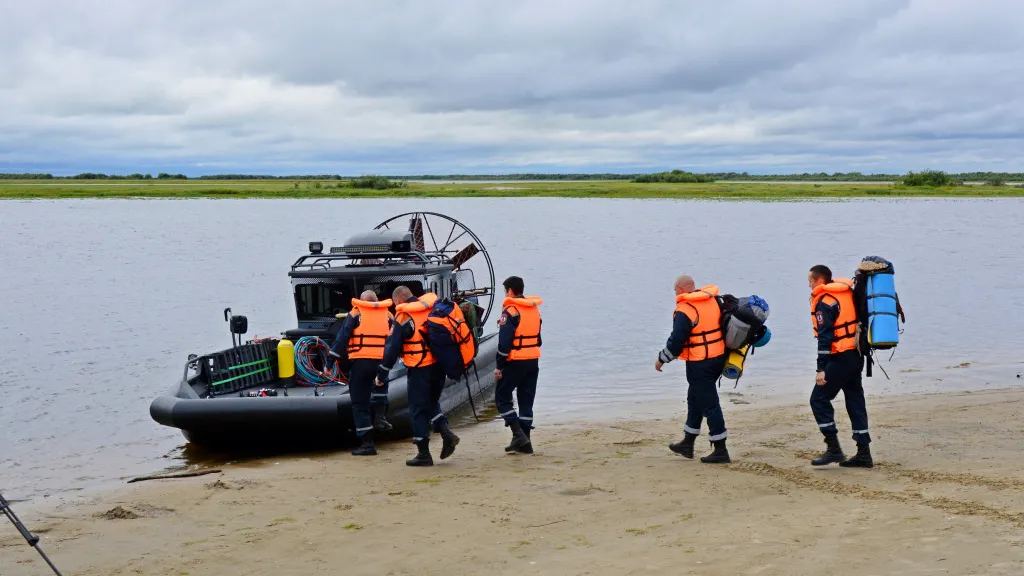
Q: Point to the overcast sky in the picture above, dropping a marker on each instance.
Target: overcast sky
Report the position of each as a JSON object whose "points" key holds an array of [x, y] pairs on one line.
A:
{"points": [[425, 86]]}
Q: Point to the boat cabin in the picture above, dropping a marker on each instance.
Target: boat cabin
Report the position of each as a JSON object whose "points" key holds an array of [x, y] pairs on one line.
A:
{"points": [[324, 284]]}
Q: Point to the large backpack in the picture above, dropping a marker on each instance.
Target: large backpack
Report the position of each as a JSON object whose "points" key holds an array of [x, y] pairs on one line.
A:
{"points": [[451, 339], [743, 319], [878, 307], [472, 312]]}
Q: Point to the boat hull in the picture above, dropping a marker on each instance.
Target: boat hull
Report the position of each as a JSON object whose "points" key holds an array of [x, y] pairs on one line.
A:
{"points": [[298, 412]]}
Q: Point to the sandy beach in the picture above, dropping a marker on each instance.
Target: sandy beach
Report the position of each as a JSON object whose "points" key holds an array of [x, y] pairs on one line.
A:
{"points": [[946, 497]]}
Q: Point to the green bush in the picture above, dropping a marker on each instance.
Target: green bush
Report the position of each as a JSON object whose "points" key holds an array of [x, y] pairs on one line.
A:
{"points": [[933, 178], [995, 182], [675, 176], [376, 182]]}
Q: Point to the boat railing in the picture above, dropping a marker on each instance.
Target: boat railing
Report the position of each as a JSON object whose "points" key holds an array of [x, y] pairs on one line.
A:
{"points": [[325, 261]]}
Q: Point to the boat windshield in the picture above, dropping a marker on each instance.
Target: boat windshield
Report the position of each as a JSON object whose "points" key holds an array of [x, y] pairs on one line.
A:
{"points": [[323, 300], [383, 287]]}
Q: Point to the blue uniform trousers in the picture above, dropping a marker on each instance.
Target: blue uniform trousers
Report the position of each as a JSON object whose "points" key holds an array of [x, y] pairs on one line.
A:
{"points": [[842, 373], [360, 383], [519, 376], [425, 387], [702, 398]]}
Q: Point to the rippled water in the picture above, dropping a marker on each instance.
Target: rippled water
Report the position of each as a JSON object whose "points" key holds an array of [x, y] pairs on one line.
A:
{"points": [[104, 299]]}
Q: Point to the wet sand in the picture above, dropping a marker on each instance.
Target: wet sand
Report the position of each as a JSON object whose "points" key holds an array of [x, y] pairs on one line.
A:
{"points": [[946, 497]]}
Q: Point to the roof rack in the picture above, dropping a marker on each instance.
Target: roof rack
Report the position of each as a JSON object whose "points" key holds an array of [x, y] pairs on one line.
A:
{"points": [[310, 262]]}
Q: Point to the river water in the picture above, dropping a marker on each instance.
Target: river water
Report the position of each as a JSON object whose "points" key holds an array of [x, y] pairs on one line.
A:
{"points": [[104, 299]]}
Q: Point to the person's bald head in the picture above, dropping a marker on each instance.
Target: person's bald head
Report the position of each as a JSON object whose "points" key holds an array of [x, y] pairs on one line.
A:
{"points": [[684, 284], [368, 296], [401, 295]]}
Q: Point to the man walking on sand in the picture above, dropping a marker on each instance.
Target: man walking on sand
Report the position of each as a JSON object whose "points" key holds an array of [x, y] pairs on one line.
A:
{"points": [[518, 362], [834, 320], [697, 339]]}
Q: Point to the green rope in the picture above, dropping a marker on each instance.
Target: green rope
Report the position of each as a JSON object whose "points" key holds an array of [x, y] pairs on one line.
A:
{"points": [[249, 364], [241, 376]]}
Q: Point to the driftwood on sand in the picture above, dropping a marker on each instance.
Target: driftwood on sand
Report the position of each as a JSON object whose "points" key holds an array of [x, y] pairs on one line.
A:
{"points": [[179, 475]]}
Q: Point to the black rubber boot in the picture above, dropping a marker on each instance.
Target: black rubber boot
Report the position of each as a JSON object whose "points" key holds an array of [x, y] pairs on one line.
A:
{"points": [[366, 448], [861, 460], [685, 446], [528, 449], [520, 441], [720, 455], [833, 452], [422, 458], [379, 421], [450, 441]]}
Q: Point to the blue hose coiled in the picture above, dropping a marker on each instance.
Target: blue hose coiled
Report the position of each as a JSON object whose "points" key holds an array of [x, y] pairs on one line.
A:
{"points": [[308, 349]]}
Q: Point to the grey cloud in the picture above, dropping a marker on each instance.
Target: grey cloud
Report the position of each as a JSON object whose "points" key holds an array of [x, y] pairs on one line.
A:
{"points": [[570, 84]]}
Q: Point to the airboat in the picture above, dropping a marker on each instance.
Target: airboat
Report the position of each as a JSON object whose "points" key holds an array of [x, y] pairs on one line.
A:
{"points": [[247, 392]]}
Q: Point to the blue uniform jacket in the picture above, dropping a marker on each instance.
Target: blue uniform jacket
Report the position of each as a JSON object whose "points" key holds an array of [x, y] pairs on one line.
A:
{"points": [[340, 347], [681, 327]]}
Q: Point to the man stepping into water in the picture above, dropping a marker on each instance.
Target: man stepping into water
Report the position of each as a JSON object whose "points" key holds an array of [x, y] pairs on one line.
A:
{"points": [[697, 339], [361, 339]]}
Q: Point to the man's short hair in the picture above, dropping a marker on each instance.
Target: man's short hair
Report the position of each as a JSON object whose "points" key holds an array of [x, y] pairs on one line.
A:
{"points": [[401, 294], [821, 272], [515, 284]]}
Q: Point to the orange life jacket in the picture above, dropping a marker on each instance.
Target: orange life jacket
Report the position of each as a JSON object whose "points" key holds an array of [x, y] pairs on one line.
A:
{"points": [[461, 334], [367, 340], [845, 332], [415, 352], [526, 343], [706, 339]]}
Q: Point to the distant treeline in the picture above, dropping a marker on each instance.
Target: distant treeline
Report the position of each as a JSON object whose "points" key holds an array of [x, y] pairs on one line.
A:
{"points": [[672, 176], [94, 176]]}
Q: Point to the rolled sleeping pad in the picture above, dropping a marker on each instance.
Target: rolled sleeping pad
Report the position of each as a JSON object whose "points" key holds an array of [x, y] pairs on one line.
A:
{"points": [[734, 363], [765, 338], [883, 326], [737, 332], [756, 307]]}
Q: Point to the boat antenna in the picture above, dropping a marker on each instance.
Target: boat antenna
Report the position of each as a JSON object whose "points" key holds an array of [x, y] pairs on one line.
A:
{"points": [[31, 538]]}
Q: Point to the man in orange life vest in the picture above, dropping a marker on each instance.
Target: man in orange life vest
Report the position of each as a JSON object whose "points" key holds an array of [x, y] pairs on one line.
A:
{"points": [[361, 339], [834, 320], [518, 362], [424, 376], [698, 340]]}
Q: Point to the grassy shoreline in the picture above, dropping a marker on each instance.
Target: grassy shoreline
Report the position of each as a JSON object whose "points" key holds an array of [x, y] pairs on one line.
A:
{"points": [[35, 189]]}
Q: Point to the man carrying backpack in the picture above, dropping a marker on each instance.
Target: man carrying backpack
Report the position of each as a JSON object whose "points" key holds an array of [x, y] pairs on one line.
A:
{"points": [[424, 376], [361, 339], [697, 339], [518, 362], [834, 320]]}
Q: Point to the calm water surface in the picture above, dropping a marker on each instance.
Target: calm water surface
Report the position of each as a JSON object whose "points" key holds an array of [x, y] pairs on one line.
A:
{"points": [[104, 299]]}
